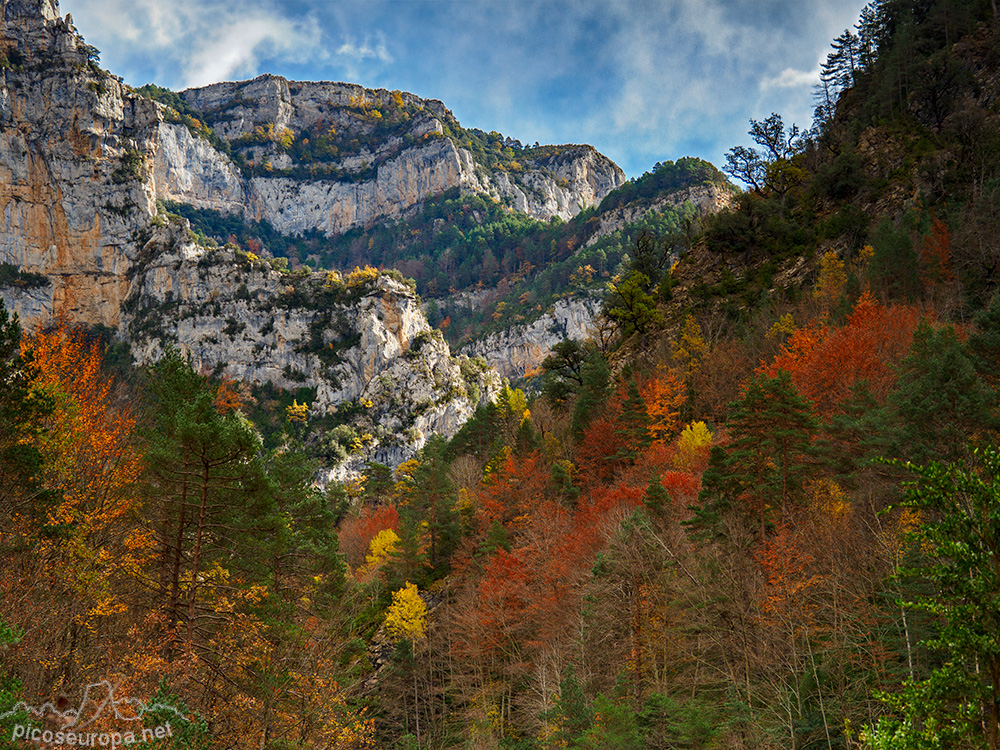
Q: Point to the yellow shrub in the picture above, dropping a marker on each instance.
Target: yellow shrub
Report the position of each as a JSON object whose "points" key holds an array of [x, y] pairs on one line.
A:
{"points": [[297, 412], [407, 616], [361, 275]]}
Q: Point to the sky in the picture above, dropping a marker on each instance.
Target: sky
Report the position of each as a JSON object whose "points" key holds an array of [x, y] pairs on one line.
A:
{"points": [[643, 81]]}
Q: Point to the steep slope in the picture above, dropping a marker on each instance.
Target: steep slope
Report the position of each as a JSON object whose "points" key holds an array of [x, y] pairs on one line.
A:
{"points": [[500, 283], [360, 345]]}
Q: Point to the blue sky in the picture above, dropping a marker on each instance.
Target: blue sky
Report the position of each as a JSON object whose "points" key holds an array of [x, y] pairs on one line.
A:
{"points": [[642, 81]]}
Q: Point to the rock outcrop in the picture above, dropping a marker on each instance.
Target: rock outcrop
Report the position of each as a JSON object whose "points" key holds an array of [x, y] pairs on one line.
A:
{"points": [[361, 345], [83, 160], [519, 350], [75, 152], [706, 199], [334, 156]]}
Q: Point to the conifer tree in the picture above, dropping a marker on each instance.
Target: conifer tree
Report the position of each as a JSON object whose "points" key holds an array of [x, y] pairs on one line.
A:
{"points": [[939, 398], [766, 462], [573, 715], [205, 472], [431, 513], [984, 343], [633, 423], [564, 371], [596, 385]]}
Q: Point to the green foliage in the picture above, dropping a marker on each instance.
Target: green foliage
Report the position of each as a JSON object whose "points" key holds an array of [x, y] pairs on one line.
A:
{"points": [[189, 732], [572, 716], [665, 177], [630, 305], [594, 390], [958, 706], [23, 410], [671, 722], [939, 398], [11, 275], [984, 343], [633, 423], [615, 726], [765, 463], [429, 519], [131, 167], [893, 268], [841, 178], [10, 688], [299, 539], [563, 371]]}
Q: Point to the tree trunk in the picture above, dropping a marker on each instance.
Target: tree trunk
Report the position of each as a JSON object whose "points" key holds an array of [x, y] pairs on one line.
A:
{"points": [[196, 556]]}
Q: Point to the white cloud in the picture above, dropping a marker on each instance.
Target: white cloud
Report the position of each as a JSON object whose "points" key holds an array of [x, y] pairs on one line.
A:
{"points": [[791, 78], [367, 50], [192, 42], [234, 50]]}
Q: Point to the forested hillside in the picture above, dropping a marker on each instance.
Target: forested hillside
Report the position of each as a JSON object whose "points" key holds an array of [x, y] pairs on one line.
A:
{"points": [[760, 508]]}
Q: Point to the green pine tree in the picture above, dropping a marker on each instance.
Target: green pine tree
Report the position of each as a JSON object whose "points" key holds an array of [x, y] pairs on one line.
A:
{"points": [[771, 453], [633, 423], [594, 392], [939, 399]]}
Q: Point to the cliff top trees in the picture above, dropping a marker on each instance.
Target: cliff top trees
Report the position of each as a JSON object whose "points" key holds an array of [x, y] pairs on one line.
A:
{"points": [[768, 169]]}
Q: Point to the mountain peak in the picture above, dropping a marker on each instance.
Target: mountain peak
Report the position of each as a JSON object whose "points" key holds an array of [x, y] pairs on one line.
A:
{"points": [[32, 28]]}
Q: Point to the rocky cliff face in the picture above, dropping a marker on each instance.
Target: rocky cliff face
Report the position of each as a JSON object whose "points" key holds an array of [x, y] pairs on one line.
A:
{"points": [[334, 156], [83, 160], [519, 350], [361, 344], [187, 169], [560, 186], [707, 199], [75, 150]]}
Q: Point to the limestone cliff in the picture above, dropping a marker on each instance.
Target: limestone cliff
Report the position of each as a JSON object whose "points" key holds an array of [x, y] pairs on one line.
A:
{"points": [[75, 153], [83, 159], [361, 344], [82, 162], [334, 156], [519, 350], [705, 198]]}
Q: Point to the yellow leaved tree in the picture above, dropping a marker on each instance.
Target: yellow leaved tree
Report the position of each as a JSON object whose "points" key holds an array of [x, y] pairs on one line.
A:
{"points": [[693, 445], [87, 541], [297, 412], [832, 280], [407, 616], [381, 549], [690, 347]]}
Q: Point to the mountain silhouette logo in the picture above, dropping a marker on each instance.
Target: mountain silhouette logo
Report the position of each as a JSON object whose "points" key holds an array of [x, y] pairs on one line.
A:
{"points": [[98, 700]]}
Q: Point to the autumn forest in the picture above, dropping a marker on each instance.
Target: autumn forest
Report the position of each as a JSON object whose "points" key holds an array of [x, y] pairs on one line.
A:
{"points": [[758, 508]]}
